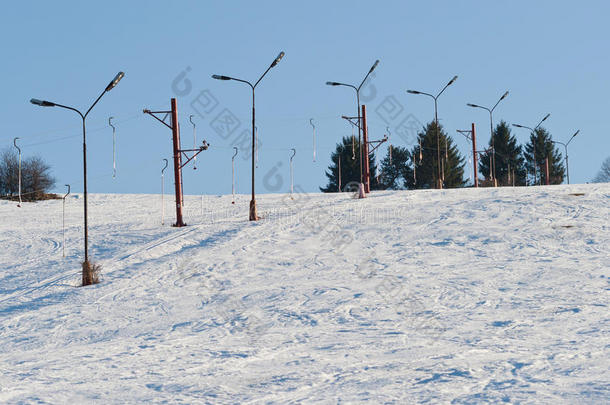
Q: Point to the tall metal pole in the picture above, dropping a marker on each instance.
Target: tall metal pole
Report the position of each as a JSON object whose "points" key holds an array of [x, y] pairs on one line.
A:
{"points": [[87, 271], [439, 182], [474, 156], [177, 164], [567, 164], [534, 138], [492, 163], [365, 152], [361, 191], [253, 215], [565, 145], [19, 173]]}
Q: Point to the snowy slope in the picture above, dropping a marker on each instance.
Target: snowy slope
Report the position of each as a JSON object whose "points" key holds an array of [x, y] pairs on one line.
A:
{"points": [[456, 296]]}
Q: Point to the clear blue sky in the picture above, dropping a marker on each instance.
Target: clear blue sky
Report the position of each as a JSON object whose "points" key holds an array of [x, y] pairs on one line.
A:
{"points": [[551, 55]]}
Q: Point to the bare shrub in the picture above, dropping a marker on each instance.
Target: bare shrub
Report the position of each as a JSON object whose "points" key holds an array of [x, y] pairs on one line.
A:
{"points": [[91, 273]]}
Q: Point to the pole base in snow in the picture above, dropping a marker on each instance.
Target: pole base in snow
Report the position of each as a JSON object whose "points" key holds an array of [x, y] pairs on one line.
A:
{"points": [[253, 215], [361, 193]]}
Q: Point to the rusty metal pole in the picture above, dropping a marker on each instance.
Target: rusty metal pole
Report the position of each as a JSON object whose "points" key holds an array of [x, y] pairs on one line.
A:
{"points": [[365, 152], [546, 171], [177, 164], [474, 156]]}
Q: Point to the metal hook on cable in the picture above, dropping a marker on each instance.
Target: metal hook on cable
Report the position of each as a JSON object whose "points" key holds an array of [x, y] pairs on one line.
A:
{"points": [[113, 147], [19, 149], [163, 193], [233, 173], [63, 221], [194, 141], [314, 138], [294, 152], [389, 144]]}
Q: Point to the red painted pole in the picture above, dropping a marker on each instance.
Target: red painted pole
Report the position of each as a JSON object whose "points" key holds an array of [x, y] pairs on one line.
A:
{"points": [[474, 156], [365, 151], [177, 164]]}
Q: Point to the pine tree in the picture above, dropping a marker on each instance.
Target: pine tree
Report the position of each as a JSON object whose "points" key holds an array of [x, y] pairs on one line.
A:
{"points": [[541, 143], [348, 151], [426, 170], [395, 173], [510, 165]]}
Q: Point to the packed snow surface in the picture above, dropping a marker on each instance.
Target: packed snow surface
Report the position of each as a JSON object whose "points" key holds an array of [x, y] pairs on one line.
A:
{"points": [[453, 296]]}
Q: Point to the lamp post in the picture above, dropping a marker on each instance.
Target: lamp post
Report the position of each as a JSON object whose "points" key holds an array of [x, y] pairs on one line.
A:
{"points": [[439, 182], [565, 145], [534, 141], [253, 216], [87, 276], [492, 166], [357, 89]]}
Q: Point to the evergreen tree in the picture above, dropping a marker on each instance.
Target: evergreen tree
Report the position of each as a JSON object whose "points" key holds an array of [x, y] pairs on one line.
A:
{"points": [[510, 165], [348, 152], [426, 169], [395, 173], [541, 143]]}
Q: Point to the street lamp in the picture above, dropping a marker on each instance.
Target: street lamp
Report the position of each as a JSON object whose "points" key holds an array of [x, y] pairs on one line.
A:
{"points": [[491, 123], [361, 186], [439, 183], [534, 140], [565, 145], [87, 271], [253, 215]]}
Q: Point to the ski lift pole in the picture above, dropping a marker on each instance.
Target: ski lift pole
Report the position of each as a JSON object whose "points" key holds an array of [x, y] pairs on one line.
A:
{"points": [[314, 138], [294, 152], [19, 149], [63, 222], [194, 141], [163, 193], [113, 147], [233, 173]]}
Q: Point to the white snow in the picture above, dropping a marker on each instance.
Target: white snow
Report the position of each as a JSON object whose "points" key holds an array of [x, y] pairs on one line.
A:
{"points": [[456, 296]]}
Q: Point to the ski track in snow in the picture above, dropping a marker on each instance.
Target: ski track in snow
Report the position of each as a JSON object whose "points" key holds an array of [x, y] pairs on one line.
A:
{"points": [[453, 296]]}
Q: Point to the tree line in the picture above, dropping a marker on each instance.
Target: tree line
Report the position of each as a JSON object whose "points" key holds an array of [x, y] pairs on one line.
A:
{"points": [[36, 178], [417, 167]]}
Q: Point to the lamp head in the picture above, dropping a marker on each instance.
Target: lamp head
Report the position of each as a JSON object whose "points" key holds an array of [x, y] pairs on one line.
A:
{"points": [[545, 117], [374, 66], [473, 105], [452, 80], [278, 59], [220, 77], [115, 81], [576, 133], [413, 92], [504, 95], [518, 126], [42, 103], [333, 84]]}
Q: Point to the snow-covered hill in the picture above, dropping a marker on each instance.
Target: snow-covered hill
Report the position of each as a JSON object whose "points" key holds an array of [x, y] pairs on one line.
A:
{"points": [[456, 296]]}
